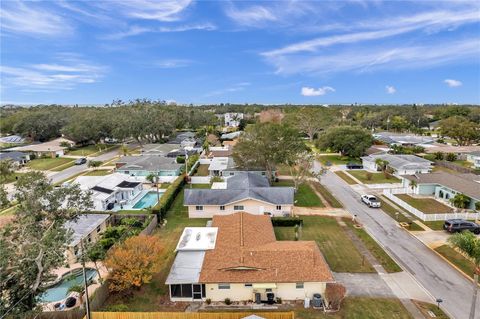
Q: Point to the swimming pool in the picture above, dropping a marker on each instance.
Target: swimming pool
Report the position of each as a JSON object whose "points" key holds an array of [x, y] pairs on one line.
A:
{"points": [[59, 291], [148, 200]]}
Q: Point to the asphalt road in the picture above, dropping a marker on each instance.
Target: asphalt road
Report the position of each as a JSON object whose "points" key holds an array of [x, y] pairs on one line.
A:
{"points": [[434, 274]]}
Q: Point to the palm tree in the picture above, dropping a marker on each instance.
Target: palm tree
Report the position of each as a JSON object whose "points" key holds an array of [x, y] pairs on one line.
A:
{"points": [[460, 200], [94, 164], [413, 184], [124, 150], [469, 244]]}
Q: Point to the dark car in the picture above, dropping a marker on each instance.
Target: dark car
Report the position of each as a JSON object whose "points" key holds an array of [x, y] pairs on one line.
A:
{"points": [[354, 166], [80, 161], [458, 225]]}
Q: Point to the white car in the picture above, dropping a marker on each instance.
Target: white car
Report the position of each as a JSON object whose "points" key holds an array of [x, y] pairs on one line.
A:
{"points": [[371, 201]]}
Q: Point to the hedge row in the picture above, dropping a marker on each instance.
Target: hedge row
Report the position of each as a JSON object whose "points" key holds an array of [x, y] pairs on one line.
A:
{"points": [[168, 197], [286, 221]]}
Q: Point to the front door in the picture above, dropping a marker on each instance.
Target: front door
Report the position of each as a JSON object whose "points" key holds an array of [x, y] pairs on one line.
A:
{"points": [[197, 292]]}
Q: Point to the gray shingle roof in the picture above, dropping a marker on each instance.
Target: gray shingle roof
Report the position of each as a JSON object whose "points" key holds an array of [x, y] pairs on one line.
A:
{"points": [[400, 161], [245, 185], [148, 163], [84, 225], [14, 156]]}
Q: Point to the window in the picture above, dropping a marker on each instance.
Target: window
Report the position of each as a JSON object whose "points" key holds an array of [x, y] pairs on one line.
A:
{"points": [[279, 207], [223, 286], [238, 207], [263, 173], [232, 173], [99, 228], [222, 207], [299, 285], [198, 207], [268, 290], [181, 291], [248, 285]]}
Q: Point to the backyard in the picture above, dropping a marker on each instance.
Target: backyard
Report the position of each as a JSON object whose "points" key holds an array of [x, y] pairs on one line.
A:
{"points": [[426, 205], [373, 178], [305, 196], [202, 170], [50, 164]]}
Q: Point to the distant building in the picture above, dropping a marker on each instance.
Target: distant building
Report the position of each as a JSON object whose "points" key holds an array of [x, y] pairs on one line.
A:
{"points": [[145, 165], [53, 148], [12, 139], [403, 139], [18, 158], [233, 119], [474, 158], [401, 164]]}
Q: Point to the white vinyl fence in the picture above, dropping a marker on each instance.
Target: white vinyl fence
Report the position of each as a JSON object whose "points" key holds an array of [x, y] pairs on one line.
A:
{"points": [[390, 194]]}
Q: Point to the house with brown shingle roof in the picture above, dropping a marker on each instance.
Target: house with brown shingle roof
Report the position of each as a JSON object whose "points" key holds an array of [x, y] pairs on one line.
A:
{"points": [[246, 263]]}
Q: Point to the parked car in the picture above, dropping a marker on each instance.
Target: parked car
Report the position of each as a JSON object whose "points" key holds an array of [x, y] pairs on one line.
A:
{"points": [[354, 166], [80, 161], [371, 201], [458, 225]]}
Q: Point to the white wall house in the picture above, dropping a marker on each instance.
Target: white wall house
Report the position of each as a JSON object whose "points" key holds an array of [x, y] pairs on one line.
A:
{"points": [[233, 119], [474, 158], [401, 164]]}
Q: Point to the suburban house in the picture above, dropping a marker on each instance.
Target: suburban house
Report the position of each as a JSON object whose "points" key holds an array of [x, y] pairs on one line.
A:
{"points": [[220, 151], [12, 139], [111, 191], [86, 228], [52, 148], [145, 165], [160, 149], [403, 139], [225, 166], [247, 192], [185, 139], [17, 158], [233, 119], [239, 258], [474, 158], [231, 136], [444, 186], [401, 164]]}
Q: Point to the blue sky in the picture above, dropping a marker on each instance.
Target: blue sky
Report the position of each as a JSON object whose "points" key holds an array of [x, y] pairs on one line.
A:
{"points": [[240, 52]]}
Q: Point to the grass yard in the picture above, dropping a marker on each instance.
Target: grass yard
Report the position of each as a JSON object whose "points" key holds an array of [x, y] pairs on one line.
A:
{"points": [[304, 196], [390, 210], [10, 178], [426, 205], [466, 164], [98, 172], [376, 178], [345, 177], [152, 296], [334, 243], [360, 308], [457, 259], [8, 211], [337, 159], [92, 149], [332, 201], [50, 164], [202, 170], [436, 225], [426, 307], [383, 258]]}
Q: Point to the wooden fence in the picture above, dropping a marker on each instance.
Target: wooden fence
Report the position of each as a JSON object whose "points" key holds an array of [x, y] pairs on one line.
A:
{"points": [[190, 315], [458, 168]]}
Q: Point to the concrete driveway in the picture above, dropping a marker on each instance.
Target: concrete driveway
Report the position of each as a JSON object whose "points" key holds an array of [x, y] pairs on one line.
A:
{"points": [[439, 278]]}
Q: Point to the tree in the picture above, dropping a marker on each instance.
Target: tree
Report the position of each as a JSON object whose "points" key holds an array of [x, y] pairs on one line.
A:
{"points": [[311, 120], [4, 202], [6, 169], [451, 157], [469, 244], [463, 131], [348, 140], [460, 200], [124, 150], [300, 168], [94, 164], [267, 145], [335, 293], [413, 184], [151, 178], [439, 156], [32, 244], [96, 253], [134, 262], [399, 123]]}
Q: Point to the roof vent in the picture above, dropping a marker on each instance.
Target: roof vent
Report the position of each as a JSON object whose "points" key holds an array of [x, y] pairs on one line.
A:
{"points": [[199, 235]]}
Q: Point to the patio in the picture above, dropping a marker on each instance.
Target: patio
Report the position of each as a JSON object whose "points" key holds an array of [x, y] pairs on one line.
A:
{"points": [[141, 201]]}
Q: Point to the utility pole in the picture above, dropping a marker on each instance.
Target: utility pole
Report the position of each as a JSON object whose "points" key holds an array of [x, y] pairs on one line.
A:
{"points": [[87, 303]]}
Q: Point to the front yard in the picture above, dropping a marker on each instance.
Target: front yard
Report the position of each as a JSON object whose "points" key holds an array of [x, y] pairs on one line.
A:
{"points": [[304, 196], [457, 259], [92, 149], [337, 159], [426, 205], [345, 177], [98, 172], [373, 178], [50, 164]]}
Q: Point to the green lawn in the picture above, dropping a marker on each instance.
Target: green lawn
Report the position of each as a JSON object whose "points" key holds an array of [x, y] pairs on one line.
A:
{"points": [[426, 205], [202, 170], [50, 164], [337, 159], [345, 177], [10, 178], [361, 308], [466, 164], [304, 196], [332, 201], [391, 211], [436, 225], [376, 178], [457, 259], [98, 172], [92, 149], [426, 307], [336, 246], [383, 258], [8, 211]]}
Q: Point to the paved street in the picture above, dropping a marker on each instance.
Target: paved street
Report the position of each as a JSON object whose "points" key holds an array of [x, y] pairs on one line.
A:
{"points": [[436, 276]]}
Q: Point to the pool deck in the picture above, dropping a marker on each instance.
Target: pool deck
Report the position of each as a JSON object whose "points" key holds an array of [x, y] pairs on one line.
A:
{"points": [[136, 199]]}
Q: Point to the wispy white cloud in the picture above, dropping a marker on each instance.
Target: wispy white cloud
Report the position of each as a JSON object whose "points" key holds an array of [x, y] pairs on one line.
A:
{"points": [[173, 63], [165, 10], [250, 16], [137, 30], [234, 88], [309, 91], [390, 89], [52, 77], [29, 19], [453, 83]]}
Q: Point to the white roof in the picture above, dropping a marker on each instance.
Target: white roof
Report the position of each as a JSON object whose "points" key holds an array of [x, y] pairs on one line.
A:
{"points": [[219, 185], [197, 239], [186, 268], [218, 164]]}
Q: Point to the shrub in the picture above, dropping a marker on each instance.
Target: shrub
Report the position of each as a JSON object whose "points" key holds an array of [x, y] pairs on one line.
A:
{"points": [[368, 176], [118, 308], [439, 156], [335, 293], [279, 300], [216, 179], [169, 196], [451, 157], [286, 221], [228, 301], [208, 301], [180, 159]]}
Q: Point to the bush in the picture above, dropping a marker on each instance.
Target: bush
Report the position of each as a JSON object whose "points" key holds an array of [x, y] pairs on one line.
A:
{"points": [[180, 159], [228, 301], [279, 300], [451, 157], [439, 156], [286, 221], [168, 197], [118, 308], [208, 301], [368, 176]]}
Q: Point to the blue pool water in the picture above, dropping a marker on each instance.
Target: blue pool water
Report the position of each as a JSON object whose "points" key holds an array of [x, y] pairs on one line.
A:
{"points": [[148, 200], [60, 291]]}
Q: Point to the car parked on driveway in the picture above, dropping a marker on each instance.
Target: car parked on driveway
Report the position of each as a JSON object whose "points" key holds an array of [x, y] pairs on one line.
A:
{"points": [[354, 166], [371, 201], [459, 225], [80, 161]]}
